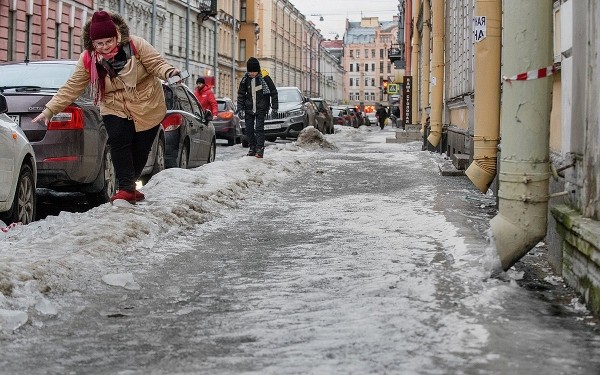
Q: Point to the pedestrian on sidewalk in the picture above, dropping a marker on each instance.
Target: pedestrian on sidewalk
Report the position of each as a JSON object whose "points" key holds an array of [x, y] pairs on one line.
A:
{"points": [[256, 94], [205, 96], [381, 115], [124, 73]]}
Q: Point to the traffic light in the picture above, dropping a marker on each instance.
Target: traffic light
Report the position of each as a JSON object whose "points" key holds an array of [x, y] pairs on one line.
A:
{"points": [[385, 86]]}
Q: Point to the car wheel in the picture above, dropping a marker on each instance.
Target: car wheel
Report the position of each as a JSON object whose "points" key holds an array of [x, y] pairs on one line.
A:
{"points": [[108, 181], [23, 207], [231, 141], [271, 138], [159, 160], [184, 157], [213, 152]]}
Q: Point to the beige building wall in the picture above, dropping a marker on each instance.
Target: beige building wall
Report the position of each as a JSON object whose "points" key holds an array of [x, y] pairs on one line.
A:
{"points": [[366, 62]]}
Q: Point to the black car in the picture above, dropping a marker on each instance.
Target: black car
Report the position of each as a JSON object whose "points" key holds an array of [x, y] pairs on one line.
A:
{"points": [[189, 133], [72, 154]]}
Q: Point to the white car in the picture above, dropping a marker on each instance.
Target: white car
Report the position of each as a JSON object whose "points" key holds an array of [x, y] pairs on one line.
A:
{"points": [[18, 172]]}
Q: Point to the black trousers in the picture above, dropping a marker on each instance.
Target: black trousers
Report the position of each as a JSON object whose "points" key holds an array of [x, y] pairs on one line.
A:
{"points": [[255, 130], [129, 149]]}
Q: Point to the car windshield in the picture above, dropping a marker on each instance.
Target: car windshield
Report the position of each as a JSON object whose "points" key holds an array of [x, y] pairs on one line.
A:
{"points": [[289, 95], [40, 75]]}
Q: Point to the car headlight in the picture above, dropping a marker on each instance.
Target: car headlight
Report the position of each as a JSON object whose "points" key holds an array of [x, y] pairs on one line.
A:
{"points": [[296, 112]]}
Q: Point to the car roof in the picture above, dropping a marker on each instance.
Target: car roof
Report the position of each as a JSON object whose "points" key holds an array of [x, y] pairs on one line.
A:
{"points": [[41, 62]]}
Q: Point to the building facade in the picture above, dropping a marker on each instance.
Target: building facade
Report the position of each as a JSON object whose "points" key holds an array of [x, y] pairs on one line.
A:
{"points": [[366, 63]]}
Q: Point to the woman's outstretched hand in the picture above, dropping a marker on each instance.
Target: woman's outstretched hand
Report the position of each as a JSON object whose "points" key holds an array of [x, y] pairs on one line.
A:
{"points": [[41, 117]]}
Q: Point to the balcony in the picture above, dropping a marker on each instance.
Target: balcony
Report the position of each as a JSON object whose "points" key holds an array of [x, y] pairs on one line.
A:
{"points": [[208, 8]]}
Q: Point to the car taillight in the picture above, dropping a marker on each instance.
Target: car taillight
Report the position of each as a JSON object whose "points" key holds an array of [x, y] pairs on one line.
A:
{"points": [[172, 122], [225, 115], [340, 121], [69, 119]]}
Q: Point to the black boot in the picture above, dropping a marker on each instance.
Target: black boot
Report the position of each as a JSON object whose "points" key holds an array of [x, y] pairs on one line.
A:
{"points": [[251, 152]]}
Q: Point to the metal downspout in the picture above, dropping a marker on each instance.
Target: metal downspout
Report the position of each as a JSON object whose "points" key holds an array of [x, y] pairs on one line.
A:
{"points": [[437, 74], [525, 127], [416, 49], [482, 170], [426, 63], [407, 45]]}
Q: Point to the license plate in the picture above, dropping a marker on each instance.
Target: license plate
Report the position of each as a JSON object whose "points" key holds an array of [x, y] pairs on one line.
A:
{"points": [[272, 127], [16, 119]]}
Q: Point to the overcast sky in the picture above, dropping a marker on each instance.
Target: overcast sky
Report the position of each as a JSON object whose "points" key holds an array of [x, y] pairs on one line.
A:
{"points": [[335, 12]]}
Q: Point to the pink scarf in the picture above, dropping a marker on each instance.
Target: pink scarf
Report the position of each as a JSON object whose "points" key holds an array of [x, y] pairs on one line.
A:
{"points": [[97, 78]]}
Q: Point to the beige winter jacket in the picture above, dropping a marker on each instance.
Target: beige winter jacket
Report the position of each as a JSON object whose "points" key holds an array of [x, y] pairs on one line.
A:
{"points": [[145, 105]]}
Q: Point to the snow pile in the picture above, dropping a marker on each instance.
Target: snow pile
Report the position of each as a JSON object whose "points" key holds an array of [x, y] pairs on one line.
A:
{"points": [[64, 253], [311, 139]]}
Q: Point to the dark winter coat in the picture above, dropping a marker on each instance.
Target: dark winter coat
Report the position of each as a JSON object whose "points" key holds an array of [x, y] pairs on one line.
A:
{"points": [[264, 100]]}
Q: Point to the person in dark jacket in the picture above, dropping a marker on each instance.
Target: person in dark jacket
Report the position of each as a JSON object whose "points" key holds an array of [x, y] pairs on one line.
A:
{"points": [[381, 115], [256, 95]]}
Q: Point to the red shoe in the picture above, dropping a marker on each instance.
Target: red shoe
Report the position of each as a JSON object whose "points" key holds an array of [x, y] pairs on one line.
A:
{"points": [[139, 196], [129, 196]]}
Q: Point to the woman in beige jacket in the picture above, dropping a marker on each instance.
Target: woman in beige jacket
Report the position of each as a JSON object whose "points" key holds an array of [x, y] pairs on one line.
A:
{"points": [[124, 73]]}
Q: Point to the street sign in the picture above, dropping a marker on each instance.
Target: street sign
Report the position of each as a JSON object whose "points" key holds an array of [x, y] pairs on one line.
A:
{"points": [[392, 88], [407, 99]]}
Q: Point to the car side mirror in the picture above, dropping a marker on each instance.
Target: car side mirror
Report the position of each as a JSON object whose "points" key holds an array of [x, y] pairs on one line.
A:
{"points": [[3, 104], [208, 116]]}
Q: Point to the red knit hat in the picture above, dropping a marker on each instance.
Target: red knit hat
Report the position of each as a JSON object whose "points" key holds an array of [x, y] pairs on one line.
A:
{"points": [[102, 26]]}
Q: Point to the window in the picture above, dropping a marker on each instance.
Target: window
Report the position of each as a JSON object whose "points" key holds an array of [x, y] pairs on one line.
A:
{"points": [[351, 97], [242, 55], [357, 53], [373, 66], [373, 82], [367, 53], [381, 54], [373, 54], [381, 67], [243, 13], [351, 53], [357, 81], [366, 81], [357, 67], [366, 67], [57, 41], [351, 67], [351, 82]]}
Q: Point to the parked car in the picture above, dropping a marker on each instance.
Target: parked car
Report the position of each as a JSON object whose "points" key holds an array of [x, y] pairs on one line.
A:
{"points": [[227, 122], [17, 172], [341, 116], [72, 154], [295, 113], [325, 111], [371, 118], [190, 135]]}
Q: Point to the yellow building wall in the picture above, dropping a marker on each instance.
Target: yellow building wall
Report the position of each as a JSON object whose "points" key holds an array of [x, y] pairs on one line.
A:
{"points": [[460, 118], [556, 115]]}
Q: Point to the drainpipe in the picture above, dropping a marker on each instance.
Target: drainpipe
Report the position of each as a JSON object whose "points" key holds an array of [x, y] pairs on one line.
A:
{"points": [[525, 127], [233, 48], [416, 48], [216, 57], [44, 28], [437, 74], [153, 30], [426, 59], [482, 170]]}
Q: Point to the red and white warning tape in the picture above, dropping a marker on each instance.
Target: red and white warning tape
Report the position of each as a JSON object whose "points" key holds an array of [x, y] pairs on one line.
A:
{"points": [[533, 74]]}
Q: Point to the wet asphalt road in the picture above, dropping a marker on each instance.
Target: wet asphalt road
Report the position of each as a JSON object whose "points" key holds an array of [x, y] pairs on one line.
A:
{"points": [[367, 264]]}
